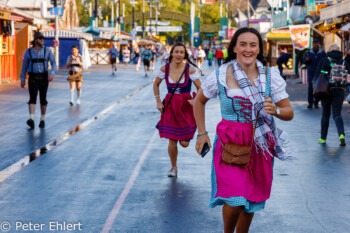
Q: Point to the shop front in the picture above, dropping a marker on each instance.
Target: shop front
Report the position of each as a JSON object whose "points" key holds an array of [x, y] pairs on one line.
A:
{"points": [[8, 62], [277, 40]]}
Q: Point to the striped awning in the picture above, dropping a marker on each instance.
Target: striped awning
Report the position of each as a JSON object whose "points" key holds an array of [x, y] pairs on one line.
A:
{"points": [[69, 34], [278, 36]]}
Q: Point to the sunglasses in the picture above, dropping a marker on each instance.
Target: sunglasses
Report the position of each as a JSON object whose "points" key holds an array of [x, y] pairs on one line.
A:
{"points": [[40, 38]]}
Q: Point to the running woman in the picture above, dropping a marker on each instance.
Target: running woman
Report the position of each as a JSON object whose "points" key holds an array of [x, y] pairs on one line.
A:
{"points": [[177, 120]]}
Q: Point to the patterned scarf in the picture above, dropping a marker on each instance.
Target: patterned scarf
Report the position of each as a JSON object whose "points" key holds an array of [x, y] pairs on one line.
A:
{"points": [[266, 134]]}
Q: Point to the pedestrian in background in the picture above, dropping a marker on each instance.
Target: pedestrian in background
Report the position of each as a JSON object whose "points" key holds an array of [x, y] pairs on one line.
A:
{"points": [[311, 59], [283, 59], [200, 56], [336, 94], [242, 80], [126, 55], [113, 53], [146, 57], [210, 57], [137, 58], [219, 56], [35, 62], [75, 78], [177, 121]]}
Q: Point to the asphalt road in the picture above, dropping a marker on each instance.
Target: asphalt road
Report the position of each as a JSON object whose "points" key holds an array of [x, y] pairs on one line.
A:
{"points": [[105, 169]]}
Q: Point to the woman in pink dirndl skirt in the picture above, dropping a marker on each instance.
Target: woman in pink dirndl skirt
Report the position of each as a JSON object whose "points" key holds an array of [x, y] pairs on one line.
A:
{"points": [[244, 87], [177, 121]]}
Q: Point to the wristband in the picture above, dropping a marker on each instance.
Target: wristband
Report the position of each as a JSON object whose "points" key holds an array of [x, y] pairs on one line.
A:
{"points": [[156, 96], [200, 134]]}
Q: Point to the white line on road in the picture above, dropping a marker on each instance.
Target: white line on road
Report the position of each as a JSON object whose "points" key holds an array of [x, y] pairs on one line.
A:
{"points": [[26, 160], [114, 212]]}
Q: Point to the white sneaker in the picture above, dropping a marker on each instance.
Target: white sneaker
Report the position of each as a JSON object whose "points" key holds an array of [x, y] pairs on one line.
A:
{"points": [[172, 172], [78, 101]]}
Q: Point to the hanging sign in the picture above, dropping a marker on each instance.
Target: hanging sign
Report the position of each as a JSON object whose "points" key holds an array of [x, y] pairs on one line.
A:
{"points": [[300, 35], [5, 15]]}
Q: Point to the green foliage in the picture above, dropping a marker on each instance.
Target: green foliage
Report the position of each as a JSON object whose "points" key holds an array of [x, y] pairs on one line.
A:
{"points": [[209, 13]]}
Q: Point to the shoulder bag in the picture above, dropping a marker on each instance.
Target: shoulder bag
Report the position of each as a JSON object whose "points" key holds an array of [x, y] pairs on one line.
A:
{"points": [[321, 89]]}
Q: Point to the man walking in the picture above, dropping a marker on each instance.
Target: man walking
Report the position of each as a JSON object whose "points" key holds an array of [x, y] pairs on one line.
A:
{"points": [[311, 59], [113, 54], [35, 62], [146, 57]]}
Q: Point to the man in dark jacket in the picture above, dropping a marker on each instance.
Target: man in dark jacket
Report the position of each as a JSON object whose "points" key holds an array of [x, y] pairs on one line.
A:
{"points": [[311, 59], [282, 59], [336, 96]]}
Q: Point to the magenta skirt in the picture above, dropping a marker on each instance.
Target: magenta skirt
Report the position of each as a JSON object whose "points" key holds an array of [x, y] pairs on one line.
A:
{"points": [[177, 122], [252, 182]]}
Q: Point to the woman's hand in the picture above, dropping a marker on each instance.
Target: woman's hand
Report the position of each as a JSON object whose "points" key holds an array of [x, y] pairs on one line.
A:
{"points": [[160, 106], [269, 106], [201, 140], [191, 101]]}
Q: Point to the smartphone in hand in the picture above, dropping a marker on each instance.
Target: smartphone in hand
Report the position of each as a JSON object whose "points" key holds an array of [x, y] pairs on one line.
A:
{"points": [[205, 149]]}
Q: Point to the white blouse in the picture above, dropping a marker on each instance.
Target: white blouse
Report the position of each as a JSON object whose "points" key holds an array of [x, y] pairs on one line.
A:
{"points": [[211, 88], [160, 74]]}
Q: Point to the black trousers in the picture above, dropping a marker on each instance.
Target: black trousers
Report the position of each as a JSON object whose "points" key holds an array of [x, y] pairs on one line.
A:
{"points": [[335, 103], [38, 83]]}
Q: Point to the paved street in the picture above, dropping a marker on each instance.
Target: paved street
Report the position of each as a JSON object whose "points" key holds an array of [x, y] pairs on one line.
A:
{"points": [[105, 166]]}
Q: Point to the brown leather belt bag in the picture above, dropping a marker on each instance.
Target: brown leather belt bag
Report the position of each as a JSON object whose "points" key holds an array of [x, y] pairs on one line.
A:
{"points": [[235, 154]]}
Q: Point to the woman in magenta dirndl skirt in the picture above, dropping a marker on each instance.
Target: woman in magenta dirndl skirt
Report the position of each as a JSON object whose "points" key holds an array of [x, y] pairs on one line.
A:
{"points": [[177, 121], [245, 86]]}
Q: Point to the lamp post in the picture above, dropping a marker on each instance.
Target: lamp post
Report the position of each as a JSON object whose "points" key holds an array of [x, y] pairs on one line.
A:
{"points": [[150, 12]]}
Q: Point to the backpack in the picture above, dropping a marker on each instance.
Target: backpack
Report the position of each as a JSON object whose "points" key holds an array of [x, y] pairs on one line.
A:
{"points": [[337, 75]]}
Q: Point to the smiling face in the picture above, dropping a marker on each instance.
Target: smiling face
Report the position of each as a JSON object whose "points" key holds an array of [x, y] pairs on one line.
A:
{"points": [[178, 54], [247, 48], [75, 51]]}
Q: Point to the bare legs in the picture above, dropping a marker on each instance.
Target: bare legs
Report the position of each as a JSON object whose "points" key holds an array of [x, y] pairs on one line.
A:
{"points": [[172, 150], [235, 217], [75, 85]]}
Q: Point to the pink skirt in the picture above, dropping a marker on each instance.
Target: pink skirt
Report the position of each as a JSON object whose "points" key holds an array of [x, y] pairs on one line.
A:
{"points": [[252, 182], [177, 122]]}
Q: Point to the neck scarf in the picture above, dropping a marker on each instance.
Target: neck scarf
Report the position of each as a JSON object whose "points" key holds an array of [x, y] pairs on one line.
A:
{"points": [[267, 135]]}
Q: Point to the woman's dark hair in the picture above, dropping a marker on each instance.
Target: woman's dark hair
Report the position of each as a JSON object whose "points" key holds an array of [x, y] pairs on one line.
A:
{"points": [[75, 47], [186, 55], [232, 55]]}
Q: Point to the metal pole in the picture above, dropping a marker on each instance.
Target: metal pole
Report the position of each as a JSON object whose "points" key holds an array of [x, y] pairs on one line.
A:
{"points": [[157, 18], [119, 27], [57, 45], [133, 16], [150, 18], [143, 20]]}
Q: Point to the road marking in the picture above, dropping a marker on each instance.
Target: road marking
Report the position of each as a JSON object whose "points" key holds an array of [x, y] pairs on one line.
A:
{"points": [[17, 166], [114, 212]]}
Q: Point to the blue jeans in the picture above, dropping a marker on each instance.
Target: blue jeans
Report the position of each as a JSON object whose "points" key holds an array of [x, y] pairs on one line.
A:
{"points": [[210, 62], [335, 103]]}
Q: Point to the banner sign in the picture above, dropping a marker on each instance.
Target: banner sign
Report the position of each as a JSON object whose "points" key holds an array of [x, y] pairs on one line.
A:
{"points": [[56, 11], [161, 29], [300, 35], [5, 15], [159, 23]]}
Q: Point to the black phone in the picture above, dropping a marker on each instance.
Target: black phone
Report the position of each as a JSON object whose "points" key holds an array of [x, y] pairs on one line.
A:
{"points": [[205, 149]]}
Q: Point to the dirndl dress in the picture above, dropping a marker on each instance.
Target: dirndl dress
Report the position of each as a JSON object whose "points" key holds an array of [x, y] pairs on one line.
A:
{"points": [[177, 121], [249, 186]]}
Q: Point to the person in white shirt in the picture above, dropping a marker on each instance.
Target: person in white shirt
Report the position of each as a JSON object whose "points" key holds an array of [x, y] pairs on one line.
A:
{"points": [[200, 56]]}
